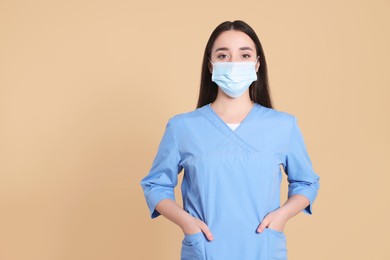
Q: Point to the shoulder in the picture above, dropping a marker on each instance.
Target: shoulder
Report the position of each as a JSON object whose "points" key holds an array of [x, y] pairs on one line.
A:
{"points": [[183, 116], [277, 115], [182, 120]]}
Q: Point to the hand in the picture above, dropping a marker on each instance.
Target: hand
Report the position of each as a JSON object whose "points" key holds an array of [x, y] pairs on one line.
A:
{"points": [[275, 220], [193, 225]]}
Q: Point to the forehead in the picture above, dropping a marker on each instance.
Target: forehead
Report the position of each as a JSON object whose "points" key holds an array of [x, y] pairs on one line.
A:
{"points": [[233, 40]]}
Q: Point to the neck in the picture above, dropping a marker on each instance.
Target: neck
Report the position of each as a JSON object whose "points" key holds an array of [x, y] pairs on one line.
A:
{"points": [[230, 105]]}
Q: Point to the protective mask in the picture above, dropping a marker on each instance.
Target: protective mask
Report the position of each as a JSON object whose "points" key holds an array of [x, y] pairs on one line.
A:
{"points": [[234, 78]]}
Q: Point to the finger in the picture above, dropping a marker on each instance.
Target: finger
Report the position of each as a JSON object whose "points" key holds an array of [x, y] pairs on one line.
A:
{"points": [[207, 232], [262, 226]]}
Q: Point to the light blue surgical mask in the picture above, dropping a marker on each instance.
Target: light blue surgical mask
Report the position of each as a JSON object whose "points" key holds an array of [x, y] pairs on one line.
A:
{"points": [[234, 78]]}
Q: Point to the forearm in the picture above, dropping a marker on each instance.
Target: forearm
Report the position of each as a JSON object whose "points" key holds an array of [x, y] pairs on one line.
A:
{"points": [[294, 205], [189, 224], [172, 211]]}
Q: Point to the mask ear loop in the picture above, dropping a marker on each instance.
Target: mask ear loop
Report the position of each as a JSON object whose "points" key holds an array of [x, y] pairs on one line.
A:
{"points": [[212, 66], [257, 59]]}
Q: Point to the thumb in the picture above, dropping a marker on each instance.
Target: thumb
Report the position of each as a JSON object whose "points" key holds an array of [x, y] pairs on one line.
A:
{"points": [[205, 229], [262, 226]]}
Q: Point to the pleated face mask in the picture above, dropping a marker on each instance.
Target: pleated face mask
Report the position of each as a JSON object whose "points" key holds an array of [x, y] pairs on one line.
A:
{"points": [[234, 78]]}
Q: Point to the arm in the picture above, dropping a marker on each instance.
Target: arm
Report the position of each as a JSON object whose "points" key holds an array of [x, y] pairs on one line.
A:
{"points": [[303, 183], [159, 184], [295, 204], [189, 225], [277, 219]]}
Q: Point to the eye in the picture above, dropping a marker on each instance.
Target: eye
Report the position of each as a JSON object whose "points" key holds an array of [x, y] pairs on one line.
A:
{"points": [[223, 56], [246, 56]]}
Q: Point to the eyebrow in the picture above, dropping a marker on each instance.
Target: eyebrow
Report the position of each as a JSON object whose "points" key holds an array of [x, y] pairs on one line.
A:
{"points": [[241, 49]]}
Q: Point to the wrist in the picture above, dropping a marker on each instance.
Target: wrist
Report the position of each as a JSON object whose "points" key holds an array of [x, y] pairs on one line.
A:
{"points": [[283, 213], [185, 220]]}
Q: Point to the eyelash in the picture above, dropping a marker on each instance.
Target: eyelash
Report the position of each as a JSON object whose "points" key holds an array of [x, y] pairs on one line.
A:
{"points": [[224, 56]]}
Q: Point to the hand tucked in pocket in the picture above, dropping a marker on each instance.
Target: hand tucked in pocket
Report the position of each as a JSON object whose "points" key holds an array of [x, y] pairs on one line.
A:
{"points": [[274, 220], [193, 225]]}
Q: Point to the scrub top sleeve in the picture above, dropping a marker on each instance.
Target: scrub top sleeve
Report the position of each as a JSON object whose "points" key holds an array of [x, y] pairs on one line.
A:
{"points": [[300, 174], [162, 178]]}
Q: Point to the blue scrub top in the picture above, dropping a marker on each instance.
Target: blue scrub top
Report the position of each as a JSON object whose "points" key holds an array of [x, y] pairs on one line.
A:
{"points": [[231, 179]]}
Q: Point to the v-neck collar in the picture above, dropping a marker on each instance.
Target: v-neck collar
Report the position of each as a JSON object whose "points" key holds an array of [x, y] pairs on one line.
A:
{"points": [[244, 121], [233, 135]]}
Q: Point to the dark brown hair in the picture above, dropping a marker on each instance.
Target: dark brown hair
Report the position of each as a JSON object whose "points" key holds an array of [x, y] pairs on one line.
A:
{"points": [[258, 91]]}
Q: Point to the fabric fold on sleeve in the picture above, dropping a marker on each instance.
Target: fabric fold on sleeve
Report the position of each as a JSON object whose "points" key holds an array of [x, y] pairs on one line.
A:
{"points": [[301, 176], [162, 178]]}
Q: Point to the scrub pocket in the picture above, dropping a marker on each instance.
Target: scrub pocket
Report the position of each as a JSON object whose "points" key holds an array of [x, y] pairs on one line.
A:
{"points": [[193, 247], [277, 248]]}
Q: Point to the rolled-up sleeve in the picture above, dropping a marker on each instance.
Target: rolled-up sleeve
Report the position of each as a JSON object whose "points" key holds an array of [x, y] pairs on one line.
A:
{"points": [[162, 178], [301, 176]]}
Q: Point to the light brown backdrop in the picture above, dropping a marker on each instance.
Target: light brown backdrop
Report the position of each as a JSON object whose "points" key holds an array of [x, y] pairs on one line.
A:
{"points": [[86, 88]]}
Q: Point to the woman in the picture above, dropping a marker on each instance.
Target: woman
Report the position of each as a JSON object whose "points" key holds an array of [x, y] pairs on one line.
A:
{"points": [[231, 148]]}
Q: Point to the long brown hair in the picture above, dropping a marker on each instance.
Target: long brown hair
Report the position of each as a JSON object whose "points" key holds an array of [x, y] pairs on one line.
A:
{"points": [[258, 91]]}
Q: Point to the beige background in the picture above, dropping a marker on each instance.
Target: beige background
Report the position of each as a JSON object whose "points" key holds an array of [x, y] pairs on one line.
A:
{"points": [[86, 88]]}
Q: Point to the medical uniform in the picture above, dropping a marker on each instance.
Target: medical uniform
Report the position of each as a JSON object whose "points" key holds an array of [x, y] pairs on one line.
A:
{"points": [[231, 179]]}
